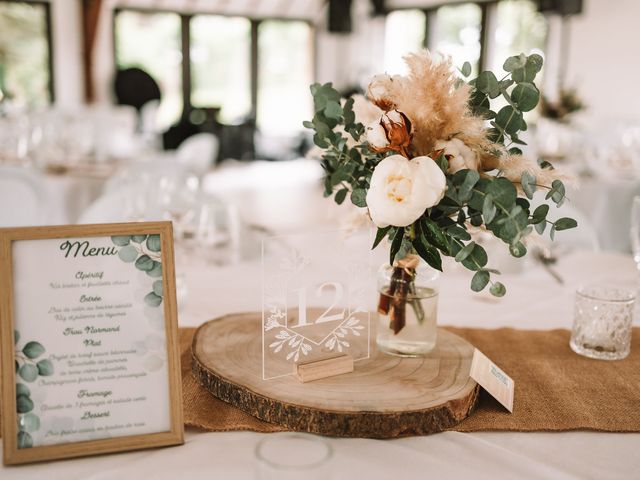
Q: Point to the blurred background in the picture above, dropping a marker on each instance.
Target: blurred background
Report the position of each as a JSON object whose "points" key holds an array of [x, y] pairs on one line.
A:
{"points": [[192, 110]]}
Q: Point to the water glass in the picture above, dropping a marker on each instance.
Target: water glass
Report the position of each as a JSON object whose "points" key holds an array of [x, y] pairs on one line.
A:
{"points": [[289, 456], [602, 322]]}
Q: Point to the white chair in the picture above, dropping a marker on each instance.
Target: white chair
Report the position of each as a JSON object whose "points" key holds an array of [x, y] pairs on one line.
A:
{"points": [[199, 152], [22, 198]]}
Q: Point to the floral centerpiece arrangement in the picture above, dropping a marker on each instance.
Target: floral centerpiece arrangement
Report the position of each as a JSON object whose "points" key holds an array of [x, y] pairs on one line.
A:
{"points": [[430, 159]]}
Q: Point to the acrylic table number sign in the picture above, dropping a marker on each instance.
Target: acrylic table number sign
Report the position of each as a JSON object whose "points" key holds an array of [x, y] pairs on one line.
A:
{"points": [[88, 327], [315, 312]]}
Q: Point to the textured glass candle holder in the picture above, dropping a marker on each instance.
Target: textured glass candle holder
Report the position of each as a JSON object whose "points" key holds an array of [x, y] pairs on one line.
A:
{"points": [[602, 322]]}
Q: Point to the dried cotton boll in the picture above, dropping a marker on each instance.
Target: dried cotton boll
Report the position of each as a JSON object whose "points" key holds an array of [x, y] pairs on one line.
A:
{"points": [[377, 136], [365, 111], [401, 190], [459, 155], [381, 90], [391, 132]]}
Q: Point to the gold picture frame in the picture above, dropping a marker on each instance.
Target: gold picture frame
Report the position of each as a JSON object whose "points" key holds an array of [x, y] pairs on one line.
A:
{"points": [[10, 430]]}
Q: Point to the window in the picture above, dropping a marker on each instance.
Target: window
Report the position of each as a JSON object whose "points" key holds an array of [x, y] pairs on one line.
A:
{"points": [[217, 65], [284, 75], [519, 28], [457, 34], [25, 54], [457, 31], [404, 33], [152, 42], [221, 65]]}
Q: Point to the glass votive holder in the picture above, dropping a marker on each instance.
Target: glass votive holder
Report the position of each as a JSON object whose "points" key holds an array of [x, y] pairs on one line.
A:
{"points": [[602, 321], [288, 456]]}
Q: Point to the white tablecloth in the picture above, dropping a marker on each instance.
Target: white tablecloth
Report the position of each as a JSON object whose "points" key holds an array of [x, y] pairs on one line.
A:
{"points": [[534, 301]]}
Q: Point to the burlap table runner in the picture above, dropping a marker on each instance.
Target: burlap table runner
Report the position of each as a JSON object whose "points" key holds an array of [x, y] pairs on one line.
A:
{"points": [[556, 390]]}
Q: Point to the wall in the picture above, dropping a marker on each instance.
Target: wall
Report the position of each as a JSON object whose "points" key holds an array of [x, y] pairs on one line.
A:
{"points": [[604, 61]]}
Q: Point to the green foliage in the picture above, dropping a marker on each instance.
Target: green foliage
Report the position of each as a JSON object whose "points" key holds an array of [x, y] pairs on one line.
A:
{"points": [[152, 299], [28, 370], [33, 350], [153, 243], [471, 198], [346, 160], [141, 250], [517, 87]]}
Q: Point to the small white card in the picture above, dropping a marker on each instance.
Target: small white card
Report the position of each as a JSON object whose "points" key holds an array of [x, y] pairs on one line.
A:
{"points": [[490, 377]]}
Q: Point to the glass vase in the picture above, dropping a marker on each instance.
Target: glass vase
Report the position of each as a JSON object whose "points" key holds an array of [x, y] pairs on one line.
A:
{"points": [[407, 307]]}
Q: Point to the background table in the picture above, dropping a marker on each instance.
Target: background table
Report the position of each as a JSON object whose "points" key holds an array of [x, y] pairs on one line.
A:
{"points": [[534, 301]]}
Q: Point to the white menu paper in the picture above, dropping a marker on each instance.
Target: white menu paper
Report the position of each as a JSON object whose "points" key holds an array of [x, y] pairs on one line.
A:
{"points": [[90, 343]]}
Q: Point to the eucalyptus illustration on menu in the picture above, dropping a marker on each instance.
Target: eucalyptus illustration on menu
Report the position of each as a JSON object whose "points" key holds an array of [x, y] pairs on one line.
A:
{"points": [[28, 368]]}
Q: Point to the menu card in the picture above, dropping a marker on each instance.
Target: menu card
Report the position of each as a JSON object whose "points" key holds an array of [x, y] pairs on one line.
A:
{"points": [[90, 339]]}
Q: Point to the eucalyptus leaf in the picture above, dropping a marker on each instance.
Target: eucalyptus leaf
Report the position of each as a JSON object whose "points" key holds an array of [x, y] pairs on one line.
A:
{"points": [[28, 372], [526, 96], [29, 422], [157, 287], [528, 183], [359, 197], [156, 271], [333, 110], [515, 62], [477, 260], [33, 349], [480, 280], [121, 240], [144, 263], [128, 253], [518, 250], [153, 243], [341, 195], [138, 238], [45, 367], [488, 209], [471, 177], [465, 251], [24, 404], [24, 440], [539, 214], [152, 299], [466, 69], [498, 290], [565, 223], [509, 119], [22, 389]]}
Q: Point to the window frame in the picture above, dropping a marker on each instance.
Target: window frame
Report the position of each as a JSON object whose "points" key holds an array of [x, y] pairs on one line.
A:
{"points": [[488, 18], [49, 39], [254, 56]]}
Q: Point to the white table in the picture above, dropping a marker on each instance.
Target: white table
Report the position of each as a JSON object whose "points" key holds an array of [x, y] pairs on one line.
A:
{"points": [[215, 291]]}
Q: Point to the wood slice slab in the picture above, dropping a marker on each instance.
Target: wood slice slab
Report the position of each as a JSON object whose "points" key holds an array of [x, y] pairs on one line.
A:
{"points": [[385, 397]]}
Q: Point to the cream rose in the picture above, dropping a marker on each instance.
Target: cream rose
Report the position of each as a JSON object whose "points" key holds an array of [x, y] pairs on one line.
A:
{"points": [[460, 155], [401, 190]]}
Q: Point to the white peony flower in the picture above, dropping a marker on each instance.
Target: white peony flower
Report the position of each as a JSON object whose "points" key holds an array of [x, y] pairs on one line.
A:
{"points": [[460, 155], [401, 190]]}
